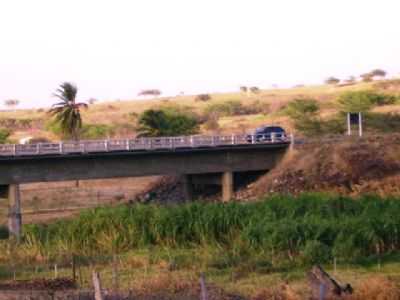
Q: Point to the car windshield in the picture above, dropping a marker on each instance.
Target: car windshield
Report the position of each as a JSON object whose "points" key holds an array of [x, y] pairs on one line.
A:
{"points": [[269, 129]]}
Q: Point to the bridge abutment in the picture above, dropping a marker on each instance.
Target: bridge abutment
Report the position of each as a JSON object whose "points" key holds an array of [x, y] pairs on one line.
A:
{"points": [[14, 211]]}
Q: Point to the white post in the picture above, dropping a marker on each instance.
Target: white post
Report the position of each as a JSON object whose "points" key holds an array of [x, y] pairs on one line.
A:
{"points": [[191, 141], [61, 147], [348, 124], [38, 148], [14, 149], [233, 139], [127, 145], [253, 139], [272, 137], [360, 125], [106, 145], [291, 141]]}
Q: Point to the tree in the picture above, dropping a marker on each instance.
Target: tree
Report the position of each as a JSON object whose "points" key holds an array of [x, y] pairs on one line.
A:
{"points": [[202, 97], [150, 92], [243, 89], [378, 73], [332, 80], [362, 101], [305, 116], [254, 89], [11, 102], [350, 80], [67, 113], [92, 100], [4, 135], [367, 77], [355, 101], [156, 122]]}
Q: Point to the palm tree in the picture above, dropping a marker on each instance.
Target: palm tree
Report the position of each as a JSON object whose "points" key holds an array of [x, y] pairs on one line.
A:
{"points": [[67, 112]]}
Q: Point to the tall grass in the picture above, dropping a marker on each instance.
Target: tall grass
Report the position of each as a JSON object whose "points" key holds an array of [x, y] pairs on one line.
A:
{"points": [[310, 228]]}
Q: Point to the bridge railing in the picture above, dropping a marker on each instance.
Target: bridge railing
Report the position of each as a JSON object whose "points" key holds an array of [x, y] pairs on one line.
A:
{"points": [[137, 144]]}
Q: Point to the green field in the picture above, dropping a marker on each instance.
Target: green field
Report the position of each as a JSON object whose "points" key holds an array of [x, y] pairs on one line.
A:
{"points": [[240, 246]]}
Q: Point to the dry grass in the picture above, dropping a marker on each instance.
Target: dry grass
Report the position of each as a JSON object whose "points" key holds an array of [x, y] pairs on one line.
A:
{"points": [[120, 112]]}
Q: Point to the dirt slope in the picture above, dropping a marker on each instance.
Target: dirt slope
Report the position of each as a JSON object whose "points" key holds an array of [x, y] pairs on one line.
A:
{"points": [[351, 166]]}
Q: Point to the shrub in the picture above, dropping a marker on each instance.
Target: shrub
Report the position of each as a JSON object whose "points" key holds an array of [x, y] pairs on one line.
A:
{"points": [[150, 92], [378, 73], [4, 135], [4, 233], [202, 97], [96, 131], [243, 89], [212, 123], [316, 252], [367, 77], [155, 122], [332, 80], [37, 140], [362, 101], [302, 108], [225, 109], [254, 89]]}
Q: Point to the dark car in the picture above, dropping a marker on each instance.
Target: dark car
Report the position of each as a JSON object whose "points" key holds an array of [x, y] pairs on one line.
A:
{"points": [[267, 134]]}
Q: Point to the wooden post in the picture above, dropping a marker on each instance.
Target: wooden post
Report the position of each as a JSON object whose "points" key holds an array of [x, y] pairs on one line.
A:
{"points": [[98, 295], [115, 273], [73, 268], [14, 211]]}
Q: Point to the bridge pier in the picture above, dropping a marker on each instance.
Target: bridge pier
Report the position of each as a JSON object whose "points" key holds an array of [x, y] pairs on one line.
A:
{"points": [[14, 211], [187, 183], [227, 186]]}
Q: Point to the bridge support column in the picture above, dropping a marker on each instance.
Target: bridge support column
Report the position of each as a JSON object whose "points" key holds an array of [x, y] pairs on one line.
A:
{"points": [[14, 211], [187, 187], [227, 186]]}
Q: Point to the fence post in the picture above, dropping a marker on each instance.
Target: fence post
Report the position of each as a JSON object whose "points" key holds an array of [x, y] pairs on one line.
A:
{"points": [[38, 148], [61, 147], [203, 288], [321, 292], [98, 295], [233, 139], [127, 145], [14, 149], [115, 273]]}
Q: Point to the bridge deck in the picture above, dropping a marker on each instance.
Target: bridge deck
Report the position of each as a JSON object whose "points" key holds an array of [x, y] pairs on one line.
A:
{"points": [[138, 144]]}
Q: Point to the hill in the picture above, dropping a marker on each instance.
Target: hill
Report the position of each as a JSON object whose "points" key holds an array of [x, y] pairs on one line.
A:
{"points": [[247, 111]]}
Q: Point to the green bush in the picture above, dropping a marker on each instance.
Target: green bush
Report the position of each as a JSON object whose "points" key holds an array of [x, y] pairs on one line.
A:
{"points": [[225, 109], [302, 108], [316, 252], [4, 234], [96, 131], [4, 135], [154, 123], [362, 101]]}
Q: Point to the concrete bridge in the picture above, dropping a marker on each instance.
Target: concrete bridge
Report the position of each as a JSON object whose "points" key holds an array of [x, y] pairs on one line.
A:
{"points": [[197, 159]]}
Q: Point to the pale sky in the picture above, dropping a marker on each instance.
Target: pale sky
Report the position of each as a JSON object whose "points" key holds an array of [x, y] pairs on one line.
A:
{"points": [[113, 48]]}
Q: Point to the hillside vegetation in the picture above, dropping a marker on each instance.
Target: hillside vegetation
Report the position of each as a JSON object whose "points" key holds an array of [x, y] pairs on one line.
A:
{"points": [[222, 113]]}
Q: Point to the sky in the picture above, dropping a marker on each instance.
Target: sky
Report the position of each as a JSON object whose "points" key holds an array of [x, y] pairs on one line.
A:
{"points": [[112, 49]]}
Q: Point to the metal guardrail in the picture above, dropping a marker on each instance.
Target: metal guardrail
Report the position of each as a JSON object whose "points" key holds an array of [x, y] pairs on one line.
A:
{"points": [[140, 144]]}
